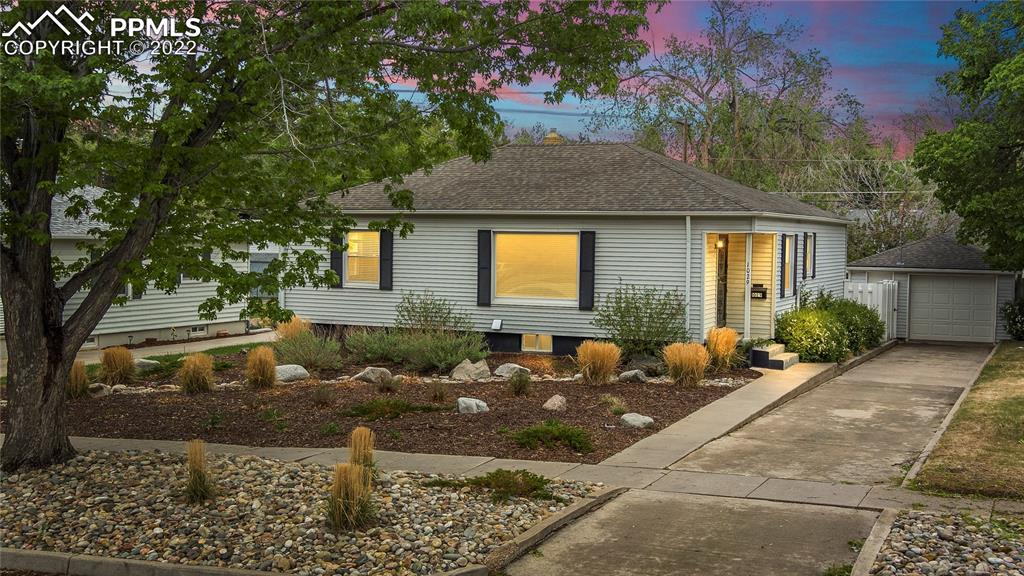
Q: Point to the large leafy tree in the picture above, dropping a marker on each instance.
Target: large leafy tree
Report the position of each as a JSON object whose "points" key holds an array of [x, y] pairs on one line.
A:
{"points": [[239, 143], [978, 166]]}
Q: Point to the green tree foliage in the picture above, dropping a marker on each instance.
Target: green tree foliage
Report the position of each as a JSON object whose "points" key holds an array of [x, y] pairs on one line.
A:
{"points": [[241, 144], [979, 165]]}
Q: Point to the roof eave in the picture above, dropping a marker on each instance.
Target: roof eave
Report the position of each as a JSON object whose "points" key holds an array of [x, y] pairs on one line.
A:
{"points": [[709, 213], [926, 270]]}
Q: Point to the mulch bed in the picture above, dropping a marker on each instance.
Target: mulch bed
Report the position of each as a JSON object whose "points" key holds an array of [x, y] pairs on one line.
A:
{"points": [[287, 416]]}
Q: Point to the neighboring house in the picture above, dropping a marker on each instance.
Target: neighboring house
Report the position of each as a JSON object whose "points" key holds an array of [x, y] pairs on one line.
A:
{"points": [[946, 289], [529, 242], [153, 314]]}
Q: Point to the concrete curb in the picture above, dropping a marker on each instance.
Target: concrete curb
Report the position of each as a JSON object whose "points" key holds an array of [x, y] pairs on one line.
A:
{"points": [[508, 552], [86, 565], [873, 544], [930, 447]]}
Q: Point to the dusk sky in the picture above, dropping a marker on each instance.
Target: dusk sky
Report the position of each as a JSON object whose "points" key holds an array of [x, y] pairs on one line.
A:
{"points": [[885, 53]]}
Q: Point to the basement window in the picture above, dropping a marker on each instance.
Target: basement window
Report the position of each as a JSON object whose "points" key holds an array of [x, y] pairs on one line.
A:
{"points": [[537, 343], [197, 330], [90, 342]]}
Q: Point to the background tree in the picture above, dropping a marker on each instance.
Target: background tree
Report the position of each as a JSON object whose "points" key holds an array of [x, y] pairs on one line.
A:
{"points": [[978, 166], [239, 144]]}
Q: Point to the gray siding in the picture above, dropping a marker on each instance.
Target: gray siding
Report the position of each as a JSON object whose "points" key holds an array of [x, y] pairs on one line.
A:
{"points": [[1004, 294], [156, 309], [440, 256], [831, 257]]}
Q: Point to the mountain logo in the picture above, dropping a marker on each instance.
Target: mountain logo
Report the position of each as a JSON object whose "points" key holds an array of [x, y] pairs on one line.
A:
{"points": [[26, 29]]}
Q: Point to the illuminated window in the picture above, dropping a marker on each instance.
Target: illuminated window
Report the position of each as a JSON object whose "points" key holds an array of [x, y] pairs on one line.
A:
{"points": [[541, 266], [810, 254], [788, 257], [362, 259], [536, 343]]}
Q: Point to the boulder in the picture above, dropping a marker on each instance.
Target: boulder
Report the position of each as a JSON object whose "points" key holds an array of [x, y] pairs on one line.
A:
{"points": [[509, 369], [373, 375], [556, 403], [633, 376], [470, 405], [118, 389], [651, 365], [577, 378], [145, 364], [399, 379], [467, 370], [291, 373], [634, 420], [97, 389]]}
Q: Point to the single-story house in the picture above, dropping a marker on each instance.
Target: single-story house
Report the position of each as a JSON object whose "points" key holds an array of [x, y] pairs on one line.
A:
{"points": [[947, 292], [530, 241], [153, 314]]}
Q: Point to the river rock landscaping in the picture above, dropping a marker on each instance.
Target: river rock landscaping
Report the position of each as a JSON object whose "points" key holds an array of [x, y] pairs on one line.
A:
{"points": [[265, 515], [923, 543]]}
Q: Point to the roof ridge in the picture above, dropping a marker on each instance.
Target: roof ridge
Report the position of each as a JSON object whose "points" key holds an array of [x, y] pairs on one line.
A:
{"points": [[659, 159]]}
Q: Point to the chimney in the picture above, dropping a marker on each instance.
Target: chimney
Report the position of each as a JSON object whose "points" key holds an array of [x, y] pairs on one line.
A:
{"points": [[553, 137]]}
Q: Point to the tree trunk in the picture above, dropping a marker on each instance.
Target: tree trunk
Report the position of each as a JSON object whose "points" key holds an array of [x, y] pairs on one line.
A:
{"points": [[38, 363]]}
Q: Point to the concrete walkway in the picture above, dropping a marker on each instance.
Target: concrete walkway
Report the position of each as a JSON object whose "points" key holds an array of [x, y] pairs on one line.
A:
{"points": [[865, 427]]}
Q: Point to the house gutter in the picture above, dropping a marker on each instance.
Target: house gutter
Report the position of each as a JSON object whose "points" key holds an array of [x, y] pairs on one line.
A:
{"points": [[689, 252], [676, 213], [931, 270]]}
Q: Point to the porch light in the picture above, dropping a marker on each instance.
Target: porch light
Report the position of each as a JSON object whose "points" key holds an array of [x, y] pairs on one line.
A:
{"points": [[720, 244]]}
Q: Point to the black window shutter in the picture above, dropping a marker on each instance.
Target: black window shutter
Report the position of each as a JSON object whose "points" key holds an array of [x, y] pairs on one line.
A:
{"points": [[782, 266], [814, 255], [804, 264], [337, 261], [483, 267], [587, 243], [387, 258]]}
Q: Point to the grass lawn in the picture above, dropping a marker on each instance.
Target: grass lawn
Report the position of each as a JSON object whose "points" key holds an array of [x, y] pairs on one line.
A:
{"points": [[982, 451]]}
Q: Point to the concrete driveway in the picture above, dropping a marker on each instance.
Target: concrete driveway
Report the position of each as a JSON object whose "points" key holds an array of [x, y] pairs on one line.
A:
{"points": [[863, 427], [647, 533]]}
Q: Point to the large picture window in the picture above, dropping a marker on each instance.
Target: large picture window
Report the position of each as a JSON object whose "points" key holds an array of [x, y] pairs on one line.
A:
{"points": [[362, 259], [536, 266]]}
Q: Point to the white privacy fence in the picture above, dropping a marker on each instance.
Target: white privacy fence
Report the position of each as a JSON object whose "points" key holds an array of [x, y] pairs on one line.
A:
{"points": [[878, 295]]}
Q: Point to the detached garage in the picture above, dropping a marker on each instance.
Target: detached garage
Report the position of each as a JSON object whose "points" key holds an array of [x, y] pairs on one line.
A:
{"points": [[946, 290]]}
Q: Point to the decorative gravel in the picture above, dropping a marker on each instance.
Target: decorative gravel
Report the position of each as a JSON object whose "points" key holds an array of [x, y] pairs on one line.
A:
{"points": [[942, 545], [267, 515]]}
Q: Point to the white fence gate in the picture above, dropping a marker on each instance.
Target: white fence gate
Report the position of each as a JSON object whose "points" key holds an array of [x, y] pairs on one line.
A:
{"points": [[878, 295]]}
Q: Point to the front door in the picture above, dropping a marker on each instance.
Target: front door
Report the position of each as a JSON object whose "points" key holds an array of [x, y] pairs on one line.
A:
{"points": [[721, 281]]}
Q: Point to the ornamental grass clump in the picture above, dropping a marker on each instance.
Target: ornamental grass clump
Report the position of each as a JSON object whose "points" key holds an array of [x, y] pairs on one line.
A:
{"points": [[687, 363], [598, 361], [360, 447], [196, 374], [198, 486], [260, 368], [323, 395], [349, 505], [721, 347], [78, 380], [311, 349], [117, 366], [438, 390], [295, 326]]}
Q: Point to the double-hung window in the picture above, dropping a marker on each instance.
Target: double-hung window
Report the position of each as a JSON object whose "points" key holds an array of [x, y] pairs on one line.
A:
{"points": [[362, 259], [810, 254], [788, 272], [536, 266]]}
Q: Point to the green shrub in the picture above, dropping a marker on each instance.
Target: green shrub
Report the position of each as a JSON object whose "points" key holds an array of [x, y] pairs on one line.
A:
{"points": [[507, 484], [426, 312], [416, 350], [816, 335], [642, 319], [313, 350], [552, 433], [1013, 314], [519, 384], [389, 408], [864, 328]]}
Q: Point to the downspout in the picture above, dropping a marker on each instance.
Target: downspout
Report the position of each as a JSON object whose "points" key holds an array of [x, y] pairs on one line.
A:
{"points": [[689, 272]]}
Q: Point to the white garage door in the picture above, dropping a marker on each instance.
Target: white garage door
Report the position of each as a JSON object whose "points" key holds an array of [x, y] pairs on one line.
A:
{"points": [[958, 307]]}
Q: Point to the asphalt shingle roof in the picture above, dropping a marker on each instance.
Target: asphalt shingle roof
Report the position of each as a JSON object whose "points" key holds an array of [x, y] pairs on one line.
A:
{"points": [[589, 178], [62, 226], [939, 252]]}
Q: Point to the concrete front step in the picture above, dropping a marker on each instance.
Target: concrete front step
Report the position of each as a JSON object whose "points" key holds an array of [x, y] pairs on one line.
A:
{"points": [[760, 355], [783, 361]]}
